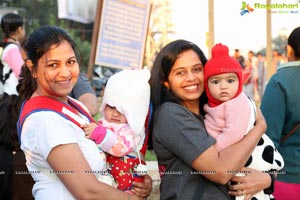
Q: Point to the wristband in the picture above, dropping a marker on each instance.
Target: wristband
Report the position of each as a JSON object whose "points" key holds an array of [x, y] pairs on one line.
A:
{"points": [[270, 189]]}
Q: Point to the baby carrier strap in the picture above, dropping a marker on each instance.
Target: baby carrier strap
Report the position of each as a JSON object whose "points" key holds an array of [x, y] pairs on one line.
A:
{"points": [[147, 124], [43, 103]]}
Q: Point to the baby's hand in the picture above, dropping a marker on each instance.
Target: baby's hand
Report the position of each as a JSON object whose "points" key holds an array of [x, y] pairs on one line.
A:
{"points": [[88, 129]]}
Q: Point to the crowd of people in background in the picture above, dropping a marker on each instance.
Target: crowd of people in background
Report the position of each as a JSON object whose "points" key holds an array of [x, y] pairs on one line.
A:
{"points": [[255, 70]]}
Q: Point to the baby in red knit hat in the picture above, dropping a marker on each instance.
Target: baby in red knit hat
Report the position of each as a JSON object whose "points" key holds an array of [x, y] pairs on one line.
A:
{"points": [[223, 82], [230, 114]]}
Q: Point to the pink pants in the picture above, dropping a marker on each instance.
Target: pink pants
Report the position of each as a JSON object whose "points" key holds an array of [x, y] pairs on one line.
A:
{"points": [[286, 191]]}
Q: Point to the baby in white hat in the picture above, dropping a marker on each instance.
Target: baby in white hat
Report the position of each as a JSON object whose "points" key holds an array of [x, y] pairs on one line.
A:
{"points": [[121, 131]]}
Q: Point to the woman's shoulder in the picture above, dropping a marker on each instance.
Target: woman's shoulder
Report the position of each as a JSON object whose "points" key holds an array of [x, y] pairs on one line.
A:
{"points": [[12, 52], [9, 47], [284, 78], [174, 107], [45, 117], [52, 124], [48, 119], [40, 121], [287, 71]]}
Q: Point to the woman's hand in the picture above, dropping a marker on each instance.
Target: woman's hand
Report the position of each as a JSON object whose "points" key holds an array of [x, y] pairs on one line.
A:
{"points": [[253, 182], [143, 189]]}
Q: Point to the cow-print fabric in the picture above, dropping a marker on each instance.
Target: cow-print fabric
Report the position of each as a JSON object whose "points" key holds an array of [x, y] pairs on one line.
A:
{"points": [[265, 157]]}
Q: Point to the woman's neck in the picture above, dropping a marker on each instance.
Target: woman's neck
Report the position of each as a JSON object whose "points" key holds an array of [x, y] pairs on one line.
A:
{"points": [[40, 93], [192, 106], [11, 39]]}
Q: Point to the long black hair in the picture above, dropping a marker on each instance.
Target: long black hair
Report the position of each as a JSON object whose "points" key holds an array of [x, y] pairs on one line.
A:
{"points": [[160, 71], [10, 23], [38, 43], [294, 42]]}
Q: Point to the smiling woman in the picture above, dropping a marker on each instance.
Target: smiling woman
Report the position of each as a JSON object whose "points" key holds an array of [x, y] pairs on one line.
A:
{"points": [[60, 74], [180, 141], [50, 125]]}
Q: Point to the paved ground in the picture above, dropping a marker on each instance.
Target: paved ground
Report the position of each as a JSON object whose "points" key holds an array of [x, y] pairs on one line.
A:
{"points": [[153, 172]]}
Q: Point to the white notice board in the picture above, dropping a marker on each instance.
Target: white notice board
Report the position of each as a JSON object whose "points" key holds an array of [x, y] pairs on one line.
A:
{"points": [[122, 33]]}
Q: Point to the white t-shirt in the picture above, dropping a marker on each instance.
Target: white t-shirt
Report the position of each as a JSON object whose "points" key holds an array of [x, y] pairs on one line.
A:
{"points": [[43, 131]]}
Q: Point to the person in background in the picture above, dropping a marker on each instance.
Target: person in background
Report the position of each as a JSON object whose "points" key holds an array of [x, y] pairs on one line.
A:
{"points": [[15, 183], [262, 74], [254, 63], [14, 32], [121, 131], [276, 59], [65, 164], [237, 55], [227, 122], [281, 108], [84, 92], [189, 164], [248, 79]]}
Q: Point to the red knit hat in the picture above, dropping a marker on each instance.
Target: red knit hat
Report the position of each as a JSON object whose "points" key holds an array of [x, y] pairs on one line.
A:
{"points": [[220, 63]]}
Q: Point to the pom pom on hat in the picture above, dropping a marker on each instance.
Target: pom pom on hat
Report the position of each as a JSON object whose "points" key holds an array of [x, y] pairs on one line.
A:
{"points": [[220, 63], [129, 92]]}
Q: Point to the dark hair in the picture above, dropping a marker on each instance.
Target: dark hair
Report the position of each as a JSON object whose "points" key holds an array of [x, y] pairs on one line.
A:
{"points": [[251, 52], [9, 114], [294, 42], [37, 44], [161, 69], [259, 54], [10, 23]]}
